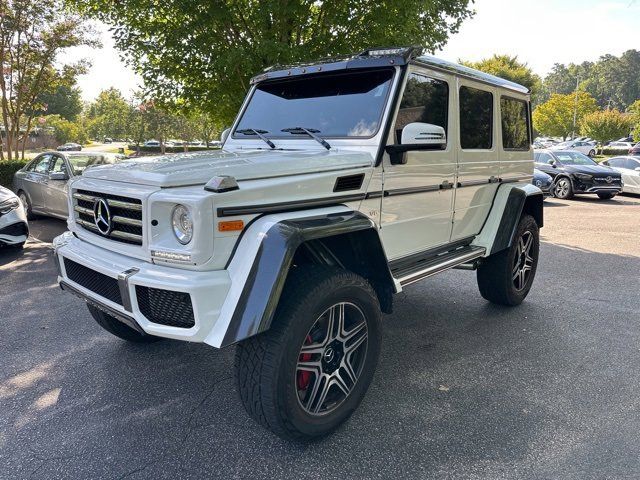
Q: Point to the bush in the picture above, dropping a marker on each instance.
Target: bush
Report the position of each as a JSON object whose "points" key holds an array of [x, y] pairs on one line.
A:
{"points": [[7, 169], [169, 149], [613, 151]]}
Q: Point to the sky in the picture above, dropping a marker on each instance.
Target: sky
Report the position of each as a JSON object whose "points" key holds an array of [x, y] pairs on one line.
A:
{"points": [[539, 32]]}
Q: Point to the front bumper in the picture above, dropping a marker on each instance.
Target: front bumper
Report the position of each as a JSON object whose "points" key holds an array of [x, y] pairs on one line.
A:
{"points": [[205, 291], [13, 227]]}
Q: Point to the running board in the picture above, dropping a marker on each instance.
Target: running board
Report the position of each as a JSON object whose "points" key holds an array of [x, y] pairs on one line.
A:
{"points": [[440, 263]]}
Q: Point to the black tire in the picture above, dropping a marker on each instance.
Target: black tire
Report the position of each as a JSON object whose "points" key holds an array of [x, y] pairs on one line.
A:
{"points": [[563, 188], [17, 246], [27, 205], [119, 329], [592, 153], [496, 279], [606, 195], [267, 368]]}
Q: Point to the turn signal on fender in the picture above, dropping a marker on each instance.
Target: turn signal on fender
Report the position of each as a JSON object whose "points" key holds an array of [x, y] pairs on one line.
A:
{"points": [[230, 226]]}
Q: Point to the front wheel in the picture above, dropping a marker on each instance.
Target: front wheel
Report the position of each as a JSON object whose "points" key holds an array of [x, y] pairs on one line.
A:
{"points": [[26, 205], [506, 277], [309, 372], [592, 153], [563, 189], [606, 195]]}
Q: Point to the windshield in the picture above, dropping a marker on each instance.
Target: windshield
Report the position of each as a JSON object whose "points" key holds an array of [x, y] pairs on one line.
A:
{"points": [[79, 163], [344, 104], [574, 158]]}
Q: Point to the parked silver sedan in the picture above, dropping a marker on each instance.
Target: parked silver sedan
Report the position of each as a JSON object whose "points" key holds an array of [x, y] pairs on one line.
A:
{"points": [[42, 183]]}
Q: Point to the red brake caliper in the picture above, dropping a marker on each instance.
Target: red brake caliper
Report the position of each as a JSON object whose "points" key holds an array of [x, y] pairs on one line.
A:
{"points": [[303, 376]]}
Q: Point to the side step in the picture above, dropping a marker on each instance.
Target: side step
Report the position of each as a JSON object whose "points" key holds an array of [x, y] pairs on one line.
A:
{"points": [[437, 264]]}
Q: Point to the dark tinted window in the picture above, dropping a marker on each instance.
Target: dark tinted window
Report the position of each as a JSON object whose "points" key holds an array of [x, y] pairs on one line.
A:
{"points": [[424, 100], [476, 118], [542, 157], [346, 104], [632, 164]]}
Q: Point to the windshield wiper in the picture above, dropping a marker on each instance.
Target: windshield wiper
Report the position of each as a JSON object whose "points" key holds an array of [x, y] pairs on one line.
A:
{"points": [[259, 133], [309, 131]]}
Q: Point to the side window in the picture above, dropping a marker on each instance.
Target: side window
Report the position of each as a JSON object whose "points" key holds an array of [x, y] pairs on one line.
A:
{"points": [[424, 100], [42, 164], [515, 124], [616, 162], [30, 166], [57, 165], [542, 158], [631, 164], [476, 119]]}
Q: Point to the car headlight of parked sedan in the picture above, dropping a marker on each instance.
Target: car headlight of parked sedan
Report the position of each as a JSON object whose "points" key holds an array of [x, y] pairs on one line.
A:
{"points": [[182, 223]]}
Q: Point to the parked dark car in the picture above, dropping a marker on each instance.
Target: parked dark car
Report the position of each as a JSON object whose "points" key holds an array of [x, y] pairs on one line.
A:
{"points": [[575, 173], [70, 147], [543, 181]]}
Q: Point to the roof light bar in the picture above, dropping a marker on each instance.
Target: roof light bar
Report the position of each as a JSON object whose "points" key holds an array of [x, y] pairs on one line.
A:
{"points": [[405, 52]]}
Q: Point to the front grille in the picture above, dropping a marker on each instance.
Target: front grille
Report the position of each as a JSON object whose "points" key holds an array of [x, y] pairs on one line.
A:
{"points": [[165, 307], [603, 181], [126, 215], [98, 283]]}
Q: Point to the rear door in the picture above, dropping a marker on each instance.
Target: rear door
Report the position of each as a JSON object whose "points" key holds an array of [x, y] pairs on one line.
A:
{"points": [[35, 179], [478, 163], [631, 176]]}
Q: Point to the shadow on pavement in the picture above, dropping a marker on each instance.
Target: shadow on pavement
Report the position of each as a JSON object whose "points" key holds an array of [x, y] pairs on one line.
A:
{"points": [[464, 389]]}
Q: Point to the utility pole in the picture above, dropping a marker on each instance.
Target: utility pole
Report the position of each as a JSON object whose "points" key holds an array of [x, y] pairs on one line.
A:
{"points": [[575, 108]]}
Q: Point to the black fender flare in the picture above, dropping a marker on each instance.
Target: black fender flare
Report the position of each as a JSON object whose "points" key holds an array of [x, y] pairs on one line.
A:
{"points": [[262, 290]]}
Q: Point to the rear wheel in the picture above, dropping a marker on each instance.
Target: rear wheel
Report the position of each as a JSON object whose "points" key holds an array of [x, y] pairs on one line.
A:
{"points": [[606, 195], [506, 277], [309, 372], [119, 329], [26, 205], [592, 153], [563, 189]]}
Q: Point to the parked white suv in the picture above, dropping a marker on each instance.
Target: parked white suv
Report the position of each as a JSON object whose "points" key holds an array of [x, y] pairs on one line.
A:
{"points": [[585, 147], [340, 183]]}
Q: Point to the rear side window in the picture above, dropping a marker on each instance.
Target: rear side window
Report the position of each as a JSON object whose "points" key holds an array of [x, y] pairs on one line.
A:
{"points": [[515, 124], [424, 100], [631, 164], [616, 162], [476, 119]]}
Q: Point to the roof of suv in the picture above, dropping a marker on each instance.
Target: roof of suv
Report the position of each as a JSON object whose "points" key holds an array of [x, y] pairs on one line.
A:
{"points": [[385, 57]]}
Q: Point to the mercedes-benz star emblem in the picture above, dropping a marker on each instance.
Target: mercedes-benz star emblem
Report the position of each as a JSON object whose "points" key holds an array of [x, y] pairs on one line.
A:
{"points": [[102, 216], [328, 355], [609, 179]]}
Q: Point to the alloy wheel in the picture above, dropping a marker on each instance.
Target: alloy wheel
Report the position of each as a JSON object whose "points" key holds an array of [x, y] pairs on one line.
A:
{"points": [[562, 188], [523, 261], [25, 202], [331, 359]]}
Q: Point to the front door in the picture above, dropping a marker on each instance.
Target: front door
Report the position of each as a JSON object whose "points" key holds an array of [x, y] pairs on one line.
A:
{"points": [[35, 180], [418, 196], [55, 191]]}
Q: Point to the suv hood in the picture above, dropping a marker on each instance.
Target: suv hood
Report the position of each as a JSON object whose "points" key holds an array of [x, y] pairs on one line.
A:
{"points": [[198, 168]]}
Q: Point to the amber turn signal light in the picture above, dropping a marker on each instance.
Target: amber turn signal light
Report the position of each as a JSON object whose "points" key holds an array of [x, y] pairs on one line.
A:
{"points": [[230, 226]]}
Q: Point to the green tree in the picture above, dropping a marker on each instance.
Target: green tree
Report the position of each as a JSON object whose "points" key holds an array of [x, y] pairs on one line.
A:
{"points": [[204, 52], [65, 130], [33, 34], [606, 125], [510, 68], [555, 116], [108, 115], [634, 112], [64, 100]]}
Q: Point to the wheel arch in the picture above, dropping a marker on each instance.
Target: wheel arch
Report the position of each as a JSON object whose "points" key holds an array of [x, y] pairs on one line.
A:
{"points": [[510, 203], [340, 236]]}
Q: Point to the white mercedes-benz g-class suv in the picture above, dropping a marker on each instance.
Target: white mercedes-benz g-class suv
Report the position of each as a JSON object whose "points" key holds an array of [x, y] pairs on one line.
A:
{"points": [[339, 183]]}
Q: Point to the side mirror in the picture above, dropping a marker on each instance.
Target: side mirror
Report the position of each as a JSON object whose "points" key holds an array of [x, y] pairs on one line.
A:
{"points": [[417, 136], [58, 176], [224, 135]]}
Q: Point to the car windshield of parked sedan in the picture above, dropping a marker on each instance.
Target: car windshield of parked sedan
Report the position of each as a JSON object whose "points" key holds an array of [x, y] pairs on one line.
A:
{"points": [[79, 163], [574, 158], [344, 104]]}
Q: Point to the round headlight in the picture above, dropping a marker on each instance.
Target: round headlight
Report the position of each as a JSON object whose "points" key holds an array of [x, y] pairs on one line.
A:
{"points": [[182, 224]]}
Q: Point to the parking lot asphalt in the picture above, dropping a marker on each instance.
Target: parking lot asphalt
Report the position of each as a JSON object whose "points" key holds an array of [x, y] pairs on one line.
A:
{"points": [[463, 390]]}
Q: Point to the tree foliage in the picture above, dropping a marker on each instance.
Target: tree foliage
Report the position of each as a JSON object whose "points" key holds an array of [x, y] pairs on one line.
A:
{"points": [[510, 68], [634, 112], [613, 81], [32, 35], [108, 115], [205, 51], [555, 116], [606, 125], [63, 99]]}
